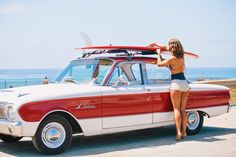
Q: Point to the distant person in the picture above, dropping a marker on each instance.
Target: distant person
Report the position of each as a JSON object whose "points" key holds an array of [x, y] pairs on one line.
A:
{"points": [[179, 88], [45, 80]]}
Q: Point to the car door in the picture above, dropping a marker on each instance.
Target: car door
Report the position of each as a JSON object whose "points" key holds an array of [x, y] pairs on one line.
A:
{"points": [[128, 103], [158, 79]]}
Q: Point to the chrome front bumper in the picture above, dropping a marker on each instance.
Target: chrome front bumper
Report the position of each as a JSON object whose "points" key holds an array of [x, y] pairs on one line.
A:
{"points": [[11, 128]]}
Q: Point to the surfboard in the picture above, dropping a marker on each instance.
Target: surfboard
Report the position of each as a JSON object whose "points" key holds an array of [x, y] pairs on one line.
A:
{"points": [[146, 49]]}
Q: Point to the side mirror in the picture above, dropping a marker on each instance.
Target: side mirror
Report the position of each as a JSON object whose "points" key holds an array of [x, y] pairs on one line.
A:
{"points": [[120, 82]]}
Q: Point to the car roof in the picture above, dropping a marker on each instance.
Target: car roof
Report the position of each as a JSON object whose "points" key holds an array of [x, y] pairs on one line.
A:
{"points": [[151, 60]]}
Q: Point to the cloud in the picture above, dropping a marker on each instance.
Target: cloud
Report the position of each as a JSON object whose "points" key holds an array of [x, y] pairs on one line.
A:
{"points": [[11, 8]]}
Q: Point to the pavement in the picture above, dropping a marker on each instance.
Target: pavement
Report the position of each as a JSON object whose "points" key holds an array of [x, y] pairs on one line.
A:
{"points": [[216, 139]]}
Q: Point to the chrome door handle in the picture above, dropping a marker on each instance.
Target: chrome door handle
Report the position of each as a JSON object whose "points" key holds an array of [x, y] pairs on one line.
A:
{"points": [[147, 90]]}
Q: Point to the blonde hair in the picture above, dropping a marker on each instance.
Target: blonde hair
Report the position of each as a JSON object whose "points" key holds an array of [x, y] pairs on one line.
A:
{"points": [[176, 48]]}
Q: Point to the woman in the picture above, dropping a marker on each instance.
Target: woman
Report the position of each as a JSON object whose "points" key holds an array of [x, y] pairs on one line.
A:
{"points": [[179, 89]]}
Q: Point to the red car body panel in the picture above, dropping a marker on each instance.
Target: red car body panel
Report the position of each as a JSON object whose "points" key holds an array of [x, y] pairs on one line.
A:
{"points": [[117, 105]]}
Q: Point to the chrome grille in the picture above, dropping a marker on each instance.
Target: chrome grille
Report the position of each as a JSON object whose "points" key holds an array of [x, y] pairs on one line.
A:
{"points": [[2, 113]]}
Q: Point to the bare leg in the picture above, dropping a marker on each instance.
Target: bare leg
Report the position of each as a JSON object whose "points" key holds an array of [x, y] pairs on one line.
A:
{"points": [[183, 103], [176, 100]]}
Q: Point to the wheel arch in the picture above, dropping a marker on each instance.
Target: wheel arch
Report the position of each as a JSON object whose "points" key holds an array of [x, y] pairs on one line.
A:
{"points": [[76, 128], [204, 113]]}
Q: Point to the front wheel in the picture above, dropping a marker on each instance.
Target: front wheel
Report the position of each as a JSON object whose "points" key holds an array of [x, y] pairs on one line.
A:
{"points": [[53, 136], [9, 138], [195, 122]]}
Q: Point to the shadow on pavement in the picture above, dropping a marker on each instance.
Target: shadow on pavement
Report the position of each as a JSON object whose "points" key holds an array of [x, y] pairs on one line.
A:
{"points": [[96, 145]]}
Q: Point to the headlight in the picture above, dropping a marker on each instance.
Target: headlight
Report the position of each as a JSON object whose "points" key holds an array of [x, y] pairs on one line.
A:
{"points": [[9, 112]]}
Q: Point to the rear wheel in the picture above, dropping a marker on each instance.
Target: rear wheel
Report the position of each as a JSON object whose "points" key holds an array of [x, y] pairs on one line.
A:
{"points": [[53, 136], [9, 138], [195, 122]]}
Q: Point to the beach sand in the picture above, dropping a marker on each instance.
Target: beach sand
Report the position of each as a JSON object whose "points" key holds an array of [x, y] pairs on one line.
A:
{"points": [[231, 83]]}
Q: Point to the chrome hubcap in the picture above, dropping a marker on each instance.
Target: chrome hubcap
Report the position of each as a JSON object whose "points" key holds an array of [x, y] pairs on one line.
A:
{"points": [[193, 120], [53, 135]]}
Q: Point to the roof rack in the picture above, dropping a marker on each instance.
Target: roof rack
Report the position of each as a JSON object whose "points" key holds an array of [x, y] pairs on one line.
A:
{"points": [[136, 50], [128, 54]]}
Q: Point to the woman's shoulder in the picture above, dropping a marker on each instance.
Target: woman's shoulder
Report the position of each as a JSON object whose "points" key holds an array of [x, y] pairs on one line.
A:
{"points": [[172, 58], [177, 59]]}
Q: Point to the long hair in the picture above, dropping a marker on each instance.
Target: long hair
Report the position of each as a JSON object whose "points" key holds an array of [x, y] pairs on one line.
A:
{"points": [[176, 48]]}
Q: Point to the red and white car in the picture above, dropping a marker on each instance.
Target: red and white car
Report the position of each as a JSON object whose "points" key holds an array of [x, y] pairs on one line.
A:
{"points": [[102, 94]]}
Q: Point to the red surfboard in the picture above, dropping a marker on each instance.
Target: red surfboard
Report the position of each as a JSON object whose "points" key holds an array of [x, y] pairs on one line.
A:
{"points": [[135, 48]]}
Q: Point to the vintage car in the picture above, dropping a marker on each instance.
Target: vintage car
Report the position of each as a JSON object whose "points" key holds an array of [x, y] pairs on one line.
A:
{"points": [[107, 90]]}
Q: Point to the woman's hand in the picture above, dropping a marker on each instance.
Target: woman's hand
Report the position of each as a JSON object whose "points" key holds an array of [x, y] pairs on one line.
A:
{"points": [[153, 45]]}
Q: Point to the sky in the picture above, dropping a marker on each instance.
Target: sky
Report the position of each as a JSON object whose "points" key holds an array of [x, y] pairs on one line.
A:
{"points": [[44, 34]]}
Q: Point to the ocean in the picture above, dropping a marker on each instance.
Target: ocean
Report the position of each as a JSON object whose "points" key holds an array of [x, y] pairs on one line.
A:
{"points": [[25, 77], [21, 77]]}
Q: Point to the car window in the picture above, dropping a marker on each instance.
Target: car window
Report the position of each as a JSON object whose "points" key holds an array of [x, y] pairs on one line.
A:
{"points": [[116, 75], [136, 69], [81, 73], [102, 70], [157, 75], [128, 73], [90, 71]]}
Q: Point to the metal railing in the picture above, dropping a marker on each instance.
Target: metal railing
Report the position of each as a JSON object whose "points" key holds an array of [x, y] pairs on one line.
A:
{"points": [[18, 83]]}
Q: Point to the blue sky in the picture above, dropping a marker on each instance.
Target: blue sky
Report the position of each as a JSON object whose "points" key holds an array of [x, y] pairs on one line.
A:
{"points": [[44, 34]]}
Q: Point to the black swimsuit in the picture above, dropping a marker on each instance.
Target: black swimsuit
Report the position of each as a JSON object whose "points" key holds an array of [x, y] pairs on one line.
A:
{"points": [[178, 76]]}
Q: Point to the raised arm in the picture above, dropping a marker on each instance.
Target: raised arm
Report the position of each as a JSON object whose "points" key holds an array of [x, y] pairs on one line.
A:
{"points": [[160, 61]]}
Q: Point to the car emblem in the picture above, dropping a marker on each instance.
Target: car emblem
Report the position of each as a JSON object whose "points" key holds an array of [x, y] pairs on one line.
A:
{"points": [[81, 106], [21, 95]]}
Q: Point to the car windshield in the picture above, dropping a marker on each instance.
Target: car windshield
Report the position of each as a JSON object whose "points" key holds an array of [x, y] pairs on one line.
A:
{"points": [[85, 71]]}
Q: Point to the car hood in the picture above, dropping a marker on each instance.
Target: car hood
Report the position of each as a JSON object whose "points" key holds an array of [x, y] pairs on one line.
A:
{"points": [[21, 95]]}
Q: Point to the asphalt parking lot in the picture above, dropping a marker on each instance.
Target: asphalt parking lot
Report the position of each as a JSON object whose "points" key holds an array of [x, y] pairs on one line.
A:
{"points": [[217, 138]]}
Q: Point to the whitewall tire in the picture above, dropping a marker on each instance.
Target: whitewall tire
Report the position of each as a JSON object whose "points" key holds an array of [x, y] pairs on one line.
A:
{"points": [[195, 122], [53, 136]]}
